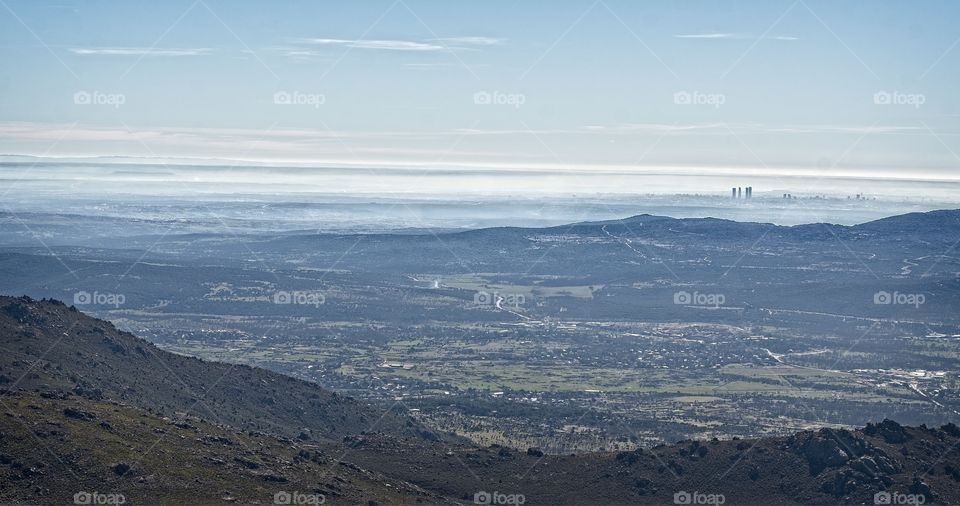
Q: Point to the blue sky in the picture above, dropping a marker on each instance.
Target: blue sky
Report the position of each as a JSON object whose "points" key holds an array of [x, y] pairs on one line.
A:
{"points": [[799, 86]]}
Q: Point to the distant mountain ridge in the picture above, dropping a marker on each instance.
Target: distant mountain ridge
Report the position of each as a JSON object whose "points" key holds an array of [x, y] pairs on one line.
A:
{"points": [[930, 225], [945, 220], [940, 221]]}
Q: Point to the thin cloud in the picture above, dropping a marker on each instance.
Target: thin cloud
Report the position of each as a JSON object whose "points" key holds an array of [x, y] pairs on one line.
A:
{"points": [[418, 149], [428, 45], [747, 128], [472, 41], [856, 129], [385, 45], [141, 51]]}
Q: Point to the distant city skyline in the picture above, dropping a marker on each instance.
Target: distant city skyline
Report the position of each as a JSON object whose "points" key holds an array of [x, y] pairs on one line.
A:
{"points": [[796, 87]]}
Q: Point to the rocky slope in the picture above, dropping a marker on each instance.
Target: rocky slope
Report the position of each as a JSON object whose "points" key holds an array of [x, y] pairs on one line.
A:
{"points": [[88, 409], [829, 466], [65, 449], [53, 347]]}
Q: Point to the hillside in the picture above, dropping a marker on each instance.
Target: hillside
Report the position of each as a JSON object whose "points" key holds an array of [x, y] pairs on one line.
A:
{"points": [[97, 414], [828, 466], [81, 446], [52, 347]]}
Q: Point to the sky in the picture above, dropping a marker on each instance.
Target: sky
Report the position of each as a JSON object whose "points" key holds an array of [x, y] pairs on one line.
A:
{"points": [[800, 87]]}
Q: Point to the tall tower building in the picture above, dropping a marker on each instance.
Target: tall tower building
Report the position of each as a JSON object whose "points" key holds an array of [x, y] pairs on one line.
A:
{"points": [[739, 192], [733, 193]]}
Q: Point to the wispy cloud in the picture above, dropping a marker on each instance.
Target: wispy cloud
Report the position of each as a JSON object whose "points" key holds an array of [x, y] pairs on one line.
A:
{"points": [[472, 41], [740, 36], [141, 51], [752, 128], [386, 45], [427, 45]]}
